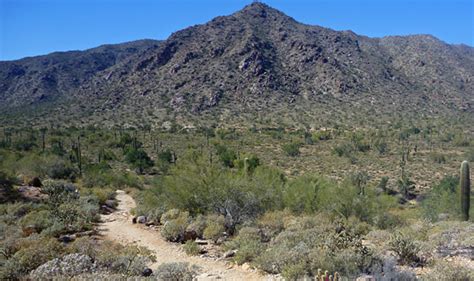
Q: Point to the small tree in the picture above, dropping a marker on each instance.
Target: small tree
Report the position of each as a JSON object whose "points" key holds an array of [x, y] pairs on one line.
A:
{"points": [[139, 159]]}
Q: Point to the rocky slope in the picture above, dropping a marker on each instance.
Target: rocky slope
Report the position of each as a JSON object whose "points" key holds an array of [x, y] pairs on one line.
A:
{"points": [[256, 64]]}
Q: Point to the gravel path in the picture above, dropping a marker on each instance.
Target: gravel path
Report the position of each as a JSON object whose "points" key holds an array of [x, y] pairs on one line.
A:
{"points": [[118, 227]]}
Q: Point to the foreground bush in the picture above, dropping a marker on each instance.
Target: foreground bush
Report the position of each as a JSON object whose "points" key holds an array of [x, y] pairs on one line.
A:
{"points": [[302, 246], [176, 271]]}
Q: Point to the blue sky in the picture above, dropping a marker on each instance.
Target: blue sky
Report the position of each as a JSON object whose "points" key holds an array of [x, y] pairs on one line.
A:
{"points": [[35, 27]]}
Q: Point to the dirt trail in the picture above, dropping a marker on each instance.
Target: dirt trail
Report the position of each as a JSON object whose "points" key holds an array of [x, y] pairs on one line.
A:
{"points": [[118, 227]]}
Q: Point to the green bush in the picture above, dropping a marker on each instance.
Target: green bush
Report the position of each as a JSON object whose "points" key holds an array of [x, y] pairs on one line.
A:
{"points": [[7, 192], [57, 168], [248, 245], [302, 194], [198, 225], [97, 175], [321, 136], [139, 159], [214, 227], [406, 248], [192, 248], [195, 186], [38, 220], [442, 199], [310, 243], [33, 252], [292, 149], [174, 227], [176, 271], [227, 156], [448, 271], [344, 149]]}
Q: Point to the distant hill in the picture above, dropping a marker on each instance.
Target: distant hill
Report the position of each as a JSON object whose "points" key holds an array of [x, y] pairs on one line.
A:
{"points": [[255, 66]]}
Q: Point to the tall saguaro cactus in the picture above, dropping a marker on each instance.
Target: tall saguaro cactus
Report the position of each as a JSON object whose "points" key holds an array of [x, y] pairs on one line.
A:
{"points": [[465, 183]]}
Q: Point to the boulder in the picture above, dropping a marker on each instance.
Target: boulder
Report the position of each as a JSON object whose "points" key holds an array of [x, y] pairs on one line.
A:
{"points": [[141, 219], [61, 268], [106, 209], [110, 203], [229, 254], [201, 242], [147, 272], [67, 238]]}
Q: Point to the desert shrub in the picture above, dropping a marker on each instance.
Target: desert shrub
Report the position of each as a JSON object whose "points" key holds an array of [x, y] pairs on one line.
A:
{"points": [[438, 157], [405, 185], [139, 159], [248, 245], [214, 227], [345, 200], [170, 215], [387, 269], [7, 192], [124, 179], [195, 186], [272, 223], [58, 168], [442, 199], [25, 145], [60, 192], [71, 212], [387, 220], [310, 243], [297, 271], [165, 156], [292, 149], [126, 260], [226, 155], [321, 136], [198, 225], [450, 272], [175, 226], [33, 252], [406, 248], [252, 163], [149, 205], [358, 142], [344, 149], [302, 194], [382, 185], [38, 220], [176, 271], [381, 146], [192, 248], [102, 194], [164, 159], [56, 147], [97, 175]]}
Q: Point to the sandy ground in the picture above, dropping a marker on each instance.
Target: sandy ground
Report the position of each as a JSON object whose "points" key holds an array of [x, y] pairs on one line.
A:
{"points": [[118, 227]]}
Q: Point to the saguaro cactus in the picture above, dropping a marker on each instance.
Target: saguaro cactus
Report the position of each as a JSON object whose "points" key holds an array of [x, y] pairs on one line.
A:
{"points": [[465, 183]]}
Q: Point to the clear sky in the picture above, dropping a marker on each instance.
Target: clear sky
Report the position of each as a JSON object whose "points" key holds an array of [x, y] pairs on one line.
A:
{"points": [[35, 27]]}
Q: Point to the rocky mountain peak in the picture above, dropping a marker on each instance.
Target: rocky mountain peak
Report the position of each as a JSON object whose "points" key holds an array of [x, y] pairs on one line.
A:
{"points": [[255, 61]]}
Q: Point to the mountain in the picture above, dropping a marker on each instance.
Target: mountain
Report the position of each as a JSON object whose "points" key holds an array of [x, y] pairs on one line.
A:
{"points": [[256, 65]]}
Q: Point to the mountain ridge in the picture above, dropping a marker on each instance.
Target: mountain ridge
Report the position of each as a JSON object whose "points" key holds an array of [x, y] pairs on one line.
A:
{"points": [[259, 61]]}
